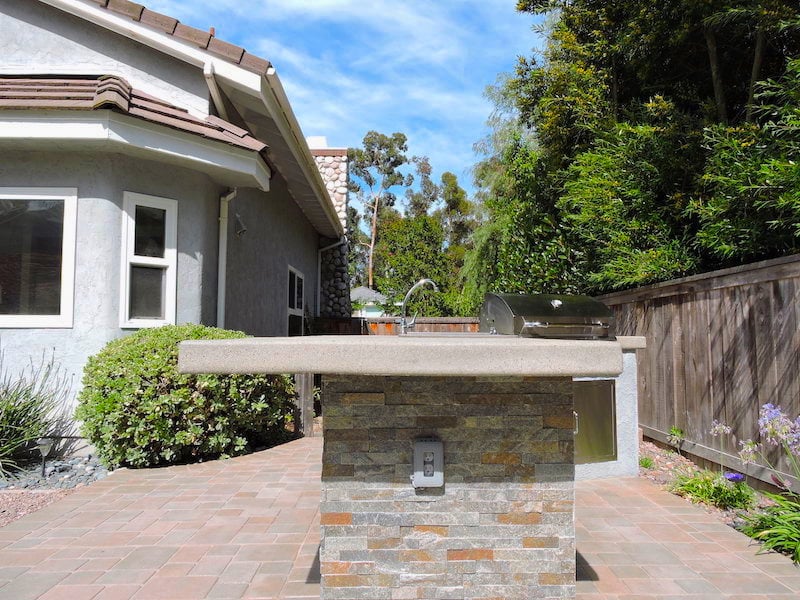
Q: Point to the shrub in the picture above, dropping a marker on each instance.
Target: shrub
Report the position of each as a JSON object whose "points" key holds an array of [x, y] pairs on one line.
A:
{"points": [[715, 489], [31, 406], [777, 527], [138, 411]]}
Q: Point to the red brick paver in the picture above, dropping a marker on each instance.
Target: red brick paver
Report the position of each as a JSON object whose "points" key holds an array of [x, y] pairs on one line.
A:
{"points": [[249, 528], [637, 541]]}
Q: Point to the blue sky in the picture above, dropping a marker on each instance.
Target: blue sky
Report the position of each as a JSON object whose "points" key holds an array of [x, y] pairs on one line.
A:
{"points": [[350, 66]]}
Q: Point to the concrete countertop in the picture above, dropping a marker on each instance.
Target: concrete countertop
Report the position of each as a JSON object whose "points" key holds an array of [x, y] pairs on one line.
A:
{"points": [[421, 354]]}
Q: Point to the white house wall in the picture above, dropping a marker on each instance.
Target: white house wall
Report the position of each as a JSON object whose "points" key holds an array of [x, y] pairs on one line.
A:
{"points": [[278, 236], [101, 181], [39, 39]]}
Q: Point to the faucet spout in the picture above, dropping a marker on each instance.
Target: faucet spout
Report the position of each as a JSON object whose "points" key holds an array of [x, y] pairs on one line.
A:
{"points": [[405, 325]]}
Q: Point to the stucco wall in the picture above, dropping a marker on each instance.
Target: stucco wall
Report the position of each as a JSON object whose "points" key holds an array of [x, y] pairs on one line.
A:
{"points": [[627, 432], [39, 39], [278, 235], [101, 181]]}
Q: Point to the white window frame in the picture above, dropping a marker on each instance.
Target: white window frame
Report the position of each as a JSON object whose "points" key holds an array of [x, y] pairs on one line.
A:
{"points": [[130, 200], [64, 319], [300, 312]]}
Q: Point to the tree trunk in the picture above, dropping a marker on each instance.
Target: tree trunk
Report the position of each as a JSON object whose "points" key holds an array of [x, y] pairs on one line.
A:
{"points": [[755, 74], [372, 238], [716, 76]]}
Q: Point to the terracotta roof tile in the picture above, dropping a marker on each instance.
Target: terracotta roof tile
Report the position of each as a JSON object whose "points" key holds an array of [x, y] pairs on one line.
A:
{"points": [[115, 93], [158, 21], [225, 50], [197, 37], [125, 7]]}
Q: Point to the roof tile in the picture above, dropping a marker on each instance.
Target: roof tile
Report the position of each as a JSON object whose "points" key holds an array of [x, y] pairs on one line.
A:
{"points": [[158, 21], [115, 93], [127, 8], [196, 36], [225, 49], [254, 63]]}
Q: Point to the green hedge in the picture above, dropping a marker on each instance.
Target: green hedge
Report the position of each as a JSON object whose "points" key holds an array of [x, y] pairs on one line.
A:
{"points": [[138, 411]]}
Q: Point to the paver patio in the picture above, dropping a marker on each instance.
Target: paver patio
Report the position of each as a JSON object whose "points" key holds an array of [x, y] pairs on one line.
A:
{"points": [[249, 528]]}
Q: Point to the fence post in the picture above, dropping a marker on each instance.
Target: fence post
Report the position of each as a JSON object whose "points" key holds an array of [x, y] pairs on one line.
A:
{"points": [[304, 386]]}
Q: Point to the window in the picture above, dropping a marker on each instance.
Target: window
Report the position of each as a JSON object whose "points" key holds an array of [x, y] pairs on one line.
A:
{"points": [[37, 256], [296, 303], [149, 261]]}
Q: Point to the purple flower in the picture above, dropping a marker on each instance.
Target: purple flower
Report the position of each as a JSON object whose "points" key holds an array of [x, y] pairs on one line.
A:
{"points": [[775, 426], [748, 451], [718, 428], [734, 477]]}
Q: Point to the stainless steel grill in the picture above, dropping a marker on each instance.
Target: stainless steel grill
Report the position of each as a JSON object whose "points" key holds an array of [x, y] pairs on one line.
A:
{"points": [[546, 316]]}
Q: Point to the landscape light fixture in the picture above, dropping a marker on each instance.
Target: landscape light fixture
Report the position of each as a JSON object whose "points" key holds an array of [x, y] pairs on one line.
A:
{"points": [[44, 445]]}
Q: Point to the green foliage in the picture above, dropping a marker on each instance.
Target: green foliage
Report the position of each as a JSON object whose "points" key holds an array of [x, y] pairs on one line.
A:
{"points": [[521, 247], [410, 249], [714, 489], [623, 203], [646, 462], [375, 170], [750, 208], [676, 436], [138, 411], [32, 405], [637, 146], [777, 526]]}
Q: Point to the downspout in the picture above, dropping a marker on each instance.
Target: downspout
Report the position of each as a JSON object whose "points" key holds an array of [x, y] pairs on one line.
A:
{"points": [[222, 255], [342, 241]]}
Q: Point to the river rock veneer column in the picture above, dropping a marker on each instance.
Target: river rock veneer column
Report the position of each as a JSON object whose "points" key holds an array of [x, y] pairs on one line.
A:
{"points": [[501, 527]]}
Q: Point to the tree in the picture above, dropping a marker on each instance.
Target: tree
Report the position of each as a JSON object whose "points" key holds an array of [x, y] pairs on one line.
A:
{"points": [[411, 248], [374, 171], [420, 201], [623, 155]]}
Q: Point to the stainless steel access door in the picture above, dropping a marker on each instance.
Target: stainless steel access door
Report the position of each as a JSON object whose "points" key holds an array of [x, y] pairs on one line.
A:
{"points": [[595, 421]]}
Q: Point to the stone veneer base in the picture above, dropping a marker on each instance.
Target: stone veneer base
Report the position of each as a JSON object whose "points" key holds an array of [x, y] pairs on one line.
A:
{"points": [[502, 527]]}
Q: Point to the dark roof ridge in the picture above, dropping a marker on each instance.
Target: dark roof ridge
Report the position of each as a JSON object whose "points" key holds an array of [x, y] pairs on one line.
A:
{"points": [[203, 40]]}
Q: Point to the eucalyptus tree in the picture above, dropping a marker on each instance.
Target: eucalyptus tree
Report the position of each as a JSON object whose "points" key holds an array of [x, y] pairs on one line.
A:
{"points": [[374, 174]]}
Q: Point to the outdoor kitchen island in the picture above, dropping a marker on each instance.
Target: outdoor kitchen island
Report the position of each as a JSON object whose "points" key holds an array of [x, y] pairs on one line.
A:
{"points": [[448, 460]]}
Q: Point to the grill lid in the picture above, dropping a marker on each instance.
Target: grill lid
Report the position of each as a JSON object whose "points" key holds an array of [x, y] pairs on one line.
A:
{"points": [[546, 315]]}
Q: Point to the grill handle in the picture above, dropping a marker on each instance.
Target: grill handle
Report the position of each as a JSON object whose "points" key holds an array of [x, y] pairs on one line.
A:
{"points": [[597, 328]]}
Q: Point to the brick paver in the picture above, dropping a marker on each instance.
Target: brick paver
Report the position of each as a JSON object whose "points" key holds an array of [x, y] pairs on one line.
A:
{"points": [[637, 541], [249, 528]]}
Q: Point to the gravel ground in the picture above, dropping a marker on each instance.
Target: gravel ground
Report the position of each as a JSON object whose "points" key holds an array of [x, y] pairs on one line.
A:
{"points": [[27, 491], [667, 464]]}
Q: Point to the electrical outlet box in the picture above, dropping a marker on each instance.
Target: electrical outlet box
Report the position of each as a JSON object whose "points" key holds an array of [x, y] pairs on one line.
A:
{"points": [[428, 463]]}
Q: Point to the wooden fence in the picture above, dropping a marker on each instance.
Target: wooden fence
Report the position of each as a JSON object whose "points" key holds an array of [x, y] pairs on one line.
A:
{"points": [[719, 346]]}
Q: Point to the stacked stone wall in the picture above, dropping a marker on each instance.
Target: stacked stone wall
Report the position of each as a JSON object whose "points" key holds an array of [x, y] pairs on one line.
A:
{"points": [[501, 527], [335, 280]]}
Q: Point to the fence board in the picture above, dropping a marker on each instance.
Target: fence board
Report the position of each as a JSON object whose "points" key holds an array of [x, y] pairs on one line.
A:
{"points": [[719, 346]]}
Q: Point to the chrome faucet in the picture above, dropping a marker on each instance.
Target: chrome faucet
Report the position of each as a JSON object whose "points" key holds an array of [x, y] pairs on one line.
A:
{"points": [[404, 324]]}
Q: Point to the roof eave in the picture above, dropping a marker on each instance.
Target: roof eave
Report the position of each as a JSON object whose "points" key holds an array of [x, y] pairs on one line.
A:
{"points": [[106, 129], [266, 87]]}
